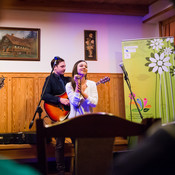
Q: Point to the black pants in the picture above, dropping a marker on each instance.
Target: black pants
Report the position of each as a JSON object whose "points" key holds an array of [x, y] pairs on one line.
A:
{"points": [[59, 154]]}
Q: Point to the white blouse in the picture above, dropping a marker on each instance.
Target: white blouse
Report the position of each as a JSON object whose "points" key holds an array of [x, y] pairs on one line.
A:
{"points": [[79, 105]]}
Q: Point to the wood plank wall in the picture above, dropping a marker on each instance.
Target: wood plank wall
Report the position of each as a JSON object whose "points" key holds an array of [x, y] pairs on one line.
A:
{"points": [[21, 94]]}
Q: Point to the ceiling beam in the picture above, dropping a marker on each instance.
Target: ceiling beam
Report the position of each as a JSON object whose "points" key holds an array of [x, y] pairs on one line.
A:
{"points": [[76, 7]]}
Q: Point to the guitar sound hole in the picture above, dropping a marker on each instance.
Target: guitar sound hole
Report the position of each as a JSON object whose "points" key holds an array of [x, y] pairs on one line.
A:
{"points": [[67, 108], [64, 107]]}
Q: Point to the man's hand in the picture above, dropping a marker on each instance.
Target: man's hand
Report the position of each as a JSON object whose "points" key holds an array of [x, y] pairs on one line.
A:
{"points": [[64, 101]]}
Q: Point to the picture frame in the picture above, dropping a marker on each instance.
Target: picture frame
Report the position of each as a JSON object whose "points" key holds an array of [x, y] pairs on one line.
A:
{"points": [[90, 48], [19, 44]]}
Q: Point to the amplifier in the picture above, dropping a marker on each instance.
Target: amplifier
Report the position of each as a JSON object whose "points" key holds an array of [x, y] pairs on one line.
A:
{"points": [[18, 138]]}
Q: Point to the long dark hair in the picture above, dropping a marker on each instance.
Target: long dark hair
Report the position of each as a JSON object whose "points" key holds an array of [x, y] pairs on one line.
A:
{"points": [[74, 72]]}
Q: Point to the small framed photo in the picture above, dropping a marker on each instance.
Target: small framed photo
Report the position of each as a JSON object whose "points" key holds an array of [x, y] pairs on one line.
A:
{"points": [[90, 45], [19, 44]]}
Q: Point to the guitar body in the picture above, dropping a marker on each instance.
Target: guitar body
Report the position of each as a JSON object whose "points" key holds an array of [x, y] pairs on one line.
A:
{"points": [[57, 112]]}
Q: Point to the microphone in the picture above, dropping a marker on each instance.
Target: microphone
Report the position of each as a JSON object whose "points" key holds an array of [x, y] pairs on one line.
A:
{"points": [[124, 70], [77, 76]]}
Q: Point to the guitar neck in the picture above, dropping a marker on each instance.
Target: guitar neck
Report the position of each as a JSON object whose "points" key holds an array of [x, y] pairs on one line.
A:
{"points": [[98, 83], [103, 81]]}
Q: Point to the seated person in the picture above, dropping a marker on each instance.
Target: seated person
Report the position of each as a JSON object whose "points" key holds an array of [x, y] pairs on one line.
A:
{"points": [[155, 155]]}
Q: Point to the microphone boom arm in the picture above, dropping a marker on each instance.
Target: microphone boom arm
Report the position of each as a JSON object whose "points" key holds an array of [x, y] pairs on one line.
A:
{"points": [[38, 108]]}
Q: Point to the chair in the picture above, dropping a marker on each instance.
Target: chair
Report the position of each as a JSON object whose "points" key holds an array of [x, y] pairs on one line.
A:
{"points": [[94, 135]]}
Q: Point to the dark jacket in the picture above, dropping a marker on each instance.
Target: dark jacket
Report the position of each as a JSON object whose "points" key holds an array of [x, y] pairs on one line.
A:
{"points": [[55, 86]]}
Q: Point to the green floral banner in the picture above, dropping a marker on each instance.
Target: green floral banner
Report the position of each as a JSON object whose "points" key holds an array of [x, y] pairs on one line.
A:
{"points": [[150, 65]]}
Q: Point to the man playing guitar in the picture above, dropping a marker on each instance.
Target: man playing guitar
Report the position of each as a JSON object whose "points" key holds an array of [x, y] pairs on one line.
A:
{"points": [[56, 86]]}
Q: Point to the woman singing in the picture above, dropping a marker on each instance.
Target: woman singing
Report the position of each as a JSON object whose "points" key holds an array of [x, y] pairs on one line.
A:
{"points": [[82, 93]]}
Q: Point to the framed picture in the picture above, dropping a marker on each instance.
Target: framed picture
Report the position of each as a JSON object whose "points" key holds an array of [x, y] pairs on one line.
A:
{"points": [[19, 44], [90, 45]]}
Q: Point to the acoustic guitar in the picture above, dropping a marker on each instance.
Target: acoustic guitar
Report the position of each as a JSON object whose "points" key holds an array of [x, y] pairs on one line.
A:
{"points": [[60, 112]]}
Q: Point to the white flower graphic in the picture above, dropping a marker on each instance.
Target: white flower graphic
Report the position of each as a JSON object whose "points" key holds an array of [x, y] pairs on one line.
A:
{"points": [[170, 39], [156, 44], [159, 63], [172, 71], [167, 51]]}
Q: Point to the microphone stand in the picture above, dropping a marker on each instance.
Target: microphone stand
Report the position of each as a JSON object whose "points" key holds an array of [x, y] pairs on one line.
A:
{"points": [[38, 108], [129, 86]]}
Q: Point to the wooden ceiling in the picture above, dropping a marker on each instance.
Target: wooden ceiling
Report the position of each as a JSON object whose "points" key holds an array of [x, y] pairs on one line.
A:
{"points": [[116, 7]]}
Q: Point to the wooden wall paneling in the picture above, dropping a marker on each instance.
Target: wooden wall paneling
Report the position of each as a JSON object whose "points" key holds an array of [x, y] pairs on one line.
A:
{"points": [[9, 97], [4, 107], [39, 79], [166, 27], [36, 101], [113, 97], [22, 91], [41, 84], [117, 95], [23, 102], [121, 100], [103, 94], [172, 28], [120, 93]]}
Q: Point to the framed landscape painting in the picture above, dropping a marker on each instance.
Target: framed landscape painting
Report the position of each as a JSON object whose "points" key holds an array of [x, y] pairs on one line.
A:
{"points": [[19, 44]]}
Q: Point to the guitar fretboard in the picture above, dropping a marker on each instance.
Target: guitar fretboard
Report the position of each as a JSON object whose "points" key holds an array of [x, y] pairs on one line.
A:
{"points": [[102, 81], [98, 83]]}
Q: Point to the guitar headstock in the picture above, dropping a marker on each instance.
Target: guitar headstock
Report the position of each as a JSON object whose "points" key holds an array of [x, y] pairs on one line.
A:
{"points": [[104, 80]]}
